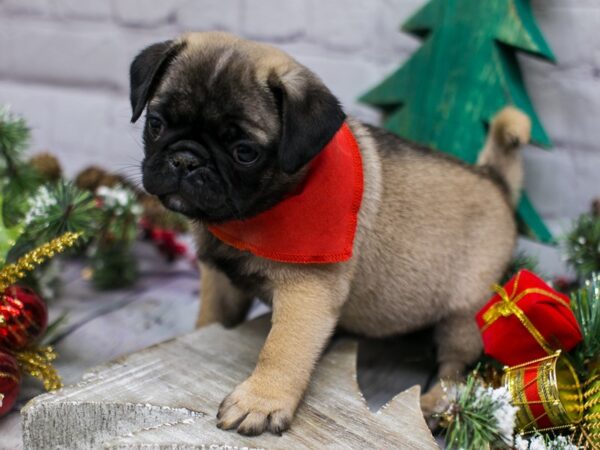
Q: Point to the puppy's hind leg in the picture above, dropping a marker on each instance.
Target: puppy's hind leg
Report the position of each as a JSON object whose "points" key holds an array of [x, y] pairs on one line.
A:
{"points": [[220, 300], [458, 345]]}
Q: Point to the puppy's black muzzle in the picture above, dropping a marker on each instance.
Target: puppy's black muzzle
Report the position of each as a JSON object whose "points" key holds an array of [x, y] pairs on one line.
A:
{"points": [[184, 162], [187, 156], [184, 177]]}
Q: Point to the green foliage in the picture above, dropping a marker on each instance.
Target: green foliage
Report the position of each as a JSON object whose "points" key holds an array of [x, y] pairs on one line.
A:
{"points": [[59, 208], [34, 213], [112, 260], [16, 192], [586, 307], [54, 210], [120, 214], [14, 137], [113, 266], [478, 416], [17, 178], [446, 94], [8, 237], [582, 245]]}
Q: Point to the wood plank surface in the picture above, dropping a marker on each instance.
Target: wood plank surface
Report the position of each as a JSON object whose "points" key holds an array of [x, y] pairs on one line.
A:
{"points": [[167, 397]]}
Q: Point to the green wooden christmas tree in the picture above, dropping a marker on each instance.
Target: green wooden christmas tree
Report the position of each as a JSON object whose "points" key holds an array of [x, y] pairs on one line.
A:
{"points": [[466, 71]]}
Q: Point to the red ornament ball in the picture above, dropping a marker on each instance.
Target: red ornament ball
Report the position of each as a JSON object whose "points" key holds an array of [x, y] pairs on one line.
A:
{"points": [[23, 317], [10, 381]]}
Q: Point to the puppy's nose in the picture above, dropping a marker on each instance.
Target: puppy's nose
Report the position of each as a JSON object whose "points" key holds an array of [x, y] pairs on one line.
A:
{"points": [[184, 162]]}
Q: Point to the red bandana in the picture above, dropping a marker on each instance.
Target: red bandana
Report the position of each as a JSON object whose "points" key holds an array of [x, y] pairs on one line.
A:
{"points": [[317, 223]]}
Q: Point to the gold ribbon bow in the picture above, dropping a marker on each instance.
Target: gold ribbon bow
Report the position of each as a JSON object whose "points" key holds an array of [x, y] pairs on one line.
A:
{"points": [[508, 307]]}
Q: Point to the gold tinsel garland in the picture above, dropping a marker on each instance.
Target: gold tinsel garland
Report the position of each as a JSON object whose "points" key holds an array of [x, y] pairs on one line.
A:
{"points": [[37, 361], [11, 273]]}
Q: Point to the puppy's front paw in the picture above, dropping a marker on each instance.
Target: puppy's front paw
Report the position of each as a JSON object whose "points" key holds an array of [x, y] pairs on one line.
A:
{"points": [[433, 403], [256, 406]]}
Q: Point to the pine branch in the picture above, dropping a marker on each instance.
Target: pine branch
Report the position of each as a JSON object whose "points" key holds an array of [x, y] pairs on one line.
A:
{"points": [[59, 208], [120, 214], [112, 261], [582, 245], [14, 136], [478, 416], [586, 307], [17, 179], [55, 210]]}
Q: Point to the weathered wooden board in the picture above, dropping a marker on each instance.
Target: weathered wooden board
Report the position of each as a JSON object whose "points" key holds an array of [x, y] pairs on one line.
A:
{"points": [[167, 397]]}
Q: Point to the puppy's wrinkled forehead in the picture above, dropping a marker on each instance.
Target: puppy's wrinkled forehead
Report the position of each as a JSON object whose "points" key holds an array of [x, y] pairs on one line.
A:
{"points": [[218, 77]]}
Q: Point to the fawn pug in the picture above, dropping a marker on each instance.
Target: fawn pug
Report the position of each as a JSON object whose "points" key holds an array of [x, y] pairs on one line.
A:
{"points": [[234, 129]]}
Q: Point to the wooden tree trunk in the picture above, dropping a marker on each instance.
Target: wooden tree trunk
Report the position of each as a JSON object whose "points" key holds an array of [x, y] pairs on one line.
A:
{"points": [[166, 397]]}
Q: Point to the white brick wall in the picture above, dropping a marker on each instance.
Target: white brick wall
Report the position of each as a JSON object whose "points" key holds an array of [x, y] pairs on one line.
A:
{"points": [[63, 64]]}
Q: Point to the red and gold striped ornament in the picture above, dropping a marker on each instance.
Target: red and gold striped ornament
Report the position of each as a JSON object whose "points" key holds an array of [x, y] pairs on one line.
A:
{"points": [[23, 317], [10, 381], [23, 320]]}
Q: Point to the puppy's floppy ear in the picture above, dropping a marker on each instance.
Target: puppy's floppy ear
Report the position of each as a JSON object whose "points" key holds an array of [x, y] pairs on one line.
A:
{"points": [[310, 116], [146, 71]]}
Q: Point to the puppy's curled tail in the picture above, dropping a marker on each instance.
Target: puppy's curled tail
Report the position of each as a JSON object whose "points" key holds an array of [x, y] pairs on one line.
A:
{"points": [[510, 129]]}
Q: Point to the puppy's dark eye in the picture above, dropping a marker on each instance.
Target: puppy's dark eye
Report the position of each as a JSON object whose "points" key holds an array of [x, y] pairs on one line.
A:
{"points": [[155, 126], [245, 155]]}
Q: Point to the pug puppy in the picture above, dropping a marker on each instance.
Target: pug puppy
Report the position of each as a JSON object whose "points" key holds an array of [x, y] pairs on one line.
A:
{"points": [[231, 128]]}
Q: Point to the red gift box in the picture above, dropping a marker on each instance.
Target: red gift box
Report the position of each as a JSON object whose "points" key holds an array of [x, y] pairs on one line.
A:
{"points": [[526, 320]]}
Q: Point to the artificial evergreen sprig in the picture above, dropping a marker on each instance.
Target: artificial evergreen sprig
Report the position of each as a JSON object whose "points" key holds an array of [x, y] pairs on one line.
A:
{"points": [[112, 261], [8, 235], [14, 136], [55, 209], [586, 306], [17, 178], [120, 214], [478, 416], [582, 245], [61, 207]]}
